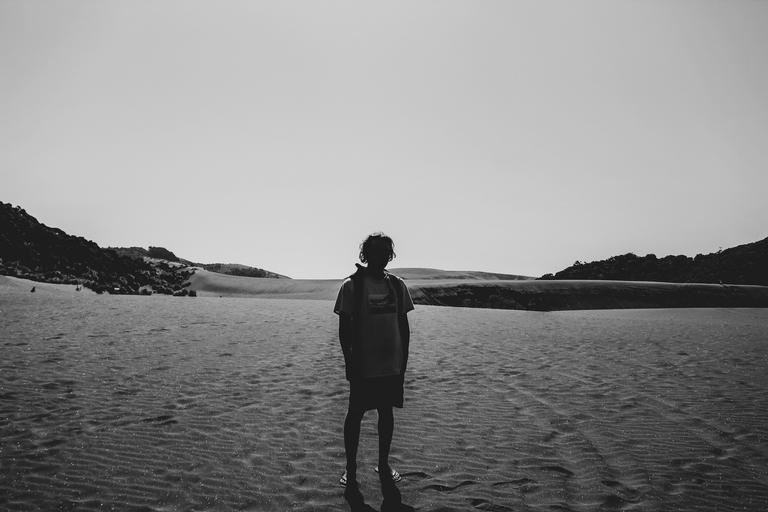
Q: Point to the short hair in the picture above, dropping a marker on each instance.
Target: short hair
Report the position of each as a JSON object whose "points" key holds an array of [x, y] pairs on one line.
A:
{"points": [[375, 239]]}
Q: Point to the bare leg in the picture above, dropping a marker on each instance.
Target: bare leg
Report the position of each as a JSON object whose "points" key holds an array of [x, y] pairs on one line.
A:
{"points": [[386, 429], [392, 499], [352, 440]]}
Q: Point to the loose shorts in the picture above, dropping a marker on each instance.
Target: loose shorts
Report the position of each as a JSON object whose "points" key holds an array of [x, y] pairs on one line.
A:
{"points": [[375, 393]]}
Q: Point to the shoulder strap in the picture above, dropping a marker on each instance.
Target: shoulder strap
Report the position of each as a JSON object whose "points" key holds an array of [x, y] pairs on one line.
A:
{"points": [[402, 318], [398, 287], [357, 289]]}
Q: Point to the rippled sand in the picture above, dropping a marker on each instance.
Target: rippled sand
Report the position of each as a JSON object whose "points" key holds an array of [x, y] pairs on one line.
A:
{"points": [[162, 403]]}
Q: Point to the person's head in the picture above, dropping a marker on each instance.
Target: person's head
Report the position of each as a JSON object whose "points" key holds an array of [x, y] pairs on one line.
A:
{"points": [[377, 250]]}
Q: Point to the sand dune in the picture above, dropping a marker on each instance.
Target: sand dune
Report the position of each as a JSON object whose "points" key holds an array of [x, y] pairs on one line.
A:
{"points": [[19, 284], [503, 294], [436, 273], [166, 403], [213, 284]]}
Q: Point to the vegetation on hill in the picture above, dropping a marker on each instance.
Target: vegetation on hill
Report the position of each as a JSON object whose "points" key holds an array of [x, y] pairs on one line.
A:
{"points": [[234, 269], [743, 264], [160, 253], [35, 251]]}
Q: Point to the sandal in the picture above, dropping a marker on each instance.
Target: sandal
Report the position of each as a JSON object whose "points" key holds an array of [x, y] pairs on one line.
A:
{"points": [[396, 477]]}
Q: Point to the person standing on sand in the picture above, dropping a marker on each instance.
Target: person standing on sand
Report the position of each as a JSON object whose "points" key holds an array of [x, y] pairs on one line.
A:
{"points": [[374, 333]]}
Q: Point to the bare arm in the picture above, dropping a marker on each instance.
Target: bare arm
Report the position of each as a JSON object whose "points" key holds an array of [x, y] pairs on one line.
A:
{"points": [[345, 339], [405, 330]]}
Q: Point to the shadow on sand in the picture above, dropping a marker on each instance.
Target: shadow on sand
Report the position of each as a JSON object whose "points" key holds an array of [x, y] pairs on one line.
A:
{"points": [[392, 502]]}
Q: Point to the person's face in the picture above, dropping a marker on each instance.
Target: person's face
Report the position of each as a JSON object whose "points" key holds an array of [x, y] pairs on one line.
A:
{"points": [[378, 255]]}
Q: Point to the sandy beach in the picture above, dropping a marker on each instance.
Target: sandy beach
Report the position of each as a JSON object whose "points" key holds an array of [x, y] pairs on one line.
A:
{"points": [[165, 403]]}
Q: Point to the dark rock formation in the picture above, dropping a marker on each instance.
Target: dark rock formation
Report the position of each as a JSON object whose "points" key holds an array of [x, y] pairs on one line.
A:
{"points": [[744, 264], [553, 295], [35, 251]]}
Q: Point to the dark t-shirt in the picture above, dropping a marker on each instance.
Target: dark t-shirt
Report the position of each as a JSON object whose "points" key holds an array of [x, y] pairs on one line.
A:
{"points": [[381, 347]]}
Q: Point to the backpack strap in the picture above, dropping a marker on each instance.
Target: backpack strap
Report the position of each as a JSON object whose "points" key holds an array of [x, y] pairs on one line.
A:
{"points": [[402, 319], [398, 287], [351, 353], [357, 290]]}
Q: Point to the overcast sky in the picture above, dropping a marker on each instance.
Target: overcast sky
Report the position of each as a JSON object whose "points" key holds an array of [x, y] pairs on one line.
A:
{"points": [[501, 136]]}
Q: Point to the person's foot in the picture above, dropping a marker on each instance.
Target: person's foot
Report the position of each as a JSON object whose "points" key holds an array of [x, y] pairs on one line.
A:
{"points": [[386, 473], [395, 475], [347, 476]]}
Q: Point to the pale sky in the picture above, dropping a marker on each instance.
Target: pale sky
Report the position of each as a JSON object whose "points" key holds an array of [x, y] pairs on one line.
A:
{"points": [[501, 136]]}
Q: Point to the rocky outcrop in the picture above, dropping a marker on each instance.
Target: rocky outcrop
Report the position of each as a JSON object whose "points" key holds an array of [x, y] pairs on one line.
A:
{"points": [[556, 295], [35, 251], [743, 264]]}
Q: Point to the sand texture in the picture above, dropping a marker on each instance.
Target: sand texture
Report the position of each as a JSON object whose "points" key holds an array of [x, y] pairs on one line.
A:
{"points": [[164, 403]]}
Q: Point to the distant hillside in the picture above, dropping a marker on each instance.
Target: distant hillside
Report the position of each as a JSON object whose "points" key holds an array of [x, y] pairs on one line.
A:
{"points": [[160, 253], [233, 269], [35, 251], [553, 295], [743, 264], [436, 273]]}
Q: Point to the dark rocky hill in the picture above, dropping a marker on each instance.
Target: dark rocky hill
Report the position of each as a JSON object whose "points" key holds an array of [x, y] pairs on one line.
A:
{"points": [[33, 250], [743, 264]]}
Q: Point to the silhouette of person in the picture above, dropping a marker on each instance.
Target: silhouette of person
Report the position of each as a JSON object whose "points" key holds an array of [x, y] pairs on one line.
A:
{"points": [[374, 333]]}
